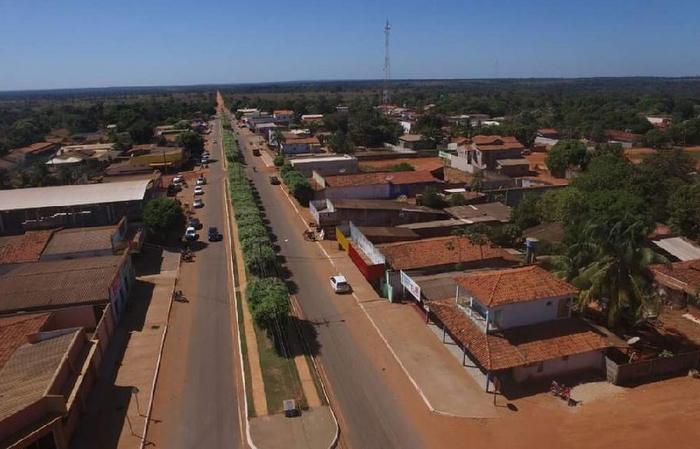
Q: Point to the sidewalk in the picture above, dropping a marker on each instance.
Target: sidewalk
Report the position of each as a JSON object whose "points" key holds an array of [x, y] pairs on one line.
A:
{"points": [[314, 429], [437, 376], [118, 406]]}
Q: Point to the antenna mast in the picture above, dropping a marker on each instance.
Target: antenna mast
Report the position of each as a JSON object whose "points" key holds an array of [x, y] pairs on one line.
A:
{"points": [[387, 63]]}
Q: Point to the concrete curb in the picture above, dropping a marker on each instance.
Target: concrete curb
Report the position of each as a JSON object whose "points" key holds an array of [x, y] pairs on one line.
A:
{"points": [[249, 437], [160, 357]]}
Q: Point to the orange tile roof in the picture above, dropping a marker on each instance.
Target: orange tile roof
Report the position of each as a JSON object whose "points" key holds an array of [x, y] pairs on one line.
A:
{"points": [[623, 136], [518, 346], [496, 143], [442, 251], [495, 288], [683, 276], [283, 111], [24, 248], [14, 331], [396, 178]]}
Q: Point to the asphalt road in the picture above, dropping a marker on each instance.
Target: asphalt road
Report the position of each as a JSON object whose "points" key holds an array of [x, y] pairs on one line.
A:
{"points": [[197, 393], [370, 414]]}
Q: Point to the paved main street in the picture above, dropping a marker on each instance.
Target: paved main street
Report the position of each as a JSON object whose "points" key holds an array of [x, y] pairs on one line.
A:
{"points": [[368, 389], [198, 397]]}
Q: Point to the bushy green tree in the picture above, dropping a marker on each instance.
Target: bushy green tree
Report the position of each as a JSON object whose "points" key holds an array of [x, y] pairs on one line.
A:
{"points": [[163, 217], [191, 141], [564, 154], [684, 207]]}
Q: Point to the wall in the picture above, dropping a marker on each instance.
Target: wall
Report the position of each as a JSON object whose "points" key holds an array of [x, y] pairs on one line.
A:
{"points": [[326, 168], [532, 312], [377, 191], [80, 316], [371, 272], [592, 360]]}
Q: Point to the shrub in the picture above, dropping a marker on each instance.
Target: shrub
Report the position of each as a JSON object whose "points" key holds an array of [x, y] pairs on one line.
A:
{"points": [[279, 160]]}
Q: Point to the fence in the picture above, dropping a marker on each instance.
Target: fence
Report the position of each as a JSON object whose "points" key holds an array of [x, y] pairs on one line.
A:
{"points": [[627, 373]]}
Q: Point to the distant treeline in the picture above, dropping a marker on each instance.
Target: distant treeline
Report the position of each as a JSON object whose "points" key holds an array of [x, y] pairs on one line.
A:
{"points": [[29, 120]]}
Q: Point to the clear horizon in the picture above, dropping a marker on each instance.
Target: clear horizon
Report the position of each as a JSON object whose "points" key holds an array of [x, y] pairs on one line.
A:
{"points": [[77, 44]]}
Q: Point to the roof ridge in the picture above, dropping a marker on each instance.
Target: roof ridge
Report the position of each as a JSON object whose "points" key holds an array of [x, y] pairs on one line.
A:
{"points": [[493, 292]]}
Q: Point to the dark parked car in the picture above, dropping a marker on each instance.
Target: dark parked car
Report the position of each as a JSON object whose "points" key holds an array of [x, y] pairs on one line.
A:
{"points": [[274, 180], [195, 223], [214, 235]]}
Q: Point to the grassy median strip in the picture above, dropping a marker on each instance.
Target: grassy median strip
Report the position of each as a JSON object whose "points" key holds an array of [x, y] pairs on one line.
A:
{"points": [[244, 354], [266, 293]]}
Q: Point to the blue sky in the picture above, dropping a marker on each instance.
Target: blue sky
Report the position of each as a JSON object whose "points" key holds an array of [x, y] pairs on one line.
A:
{"points": [[92, 43]]}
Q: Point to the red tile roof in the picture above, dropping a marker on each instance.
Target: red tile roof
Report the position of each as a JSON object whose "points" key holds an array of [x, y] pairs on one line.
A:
{"points": [[23, 248], [495, 288], [520, 345], [14, 331], [396, 178], [442, 251], [683, 276], [496, 143], [623, 136]]}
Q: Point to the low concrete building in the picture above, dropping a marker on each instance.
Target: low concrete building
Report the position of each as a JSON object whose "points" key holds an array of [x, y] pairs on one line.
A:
{"points": [[516, 324], [481, 213], [73, 205], [679, 282], [58, 284], [73, 155], [46, 373], [416, 142], [299, 144], [484, 152], [335, 164], [329, 213], [376, 185]]}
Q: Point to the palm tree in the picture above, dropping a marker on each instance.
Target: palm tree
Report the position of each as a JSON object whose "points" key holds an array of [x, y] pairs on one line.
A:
{"points": [[278, 138], [610, 262]]}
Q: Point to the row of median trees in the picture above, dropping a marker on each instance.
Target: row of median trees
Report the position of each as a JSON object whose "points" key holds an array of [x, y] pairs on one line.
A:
{"points": [[266, 291]]}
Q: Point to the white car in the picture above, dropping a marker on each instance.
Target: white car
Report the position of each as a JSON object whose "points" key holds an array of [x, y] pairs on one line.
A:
{"points": [[199, 190], [190, 233], [201, 181], [339, 284], [198, 203], [178, 179]]}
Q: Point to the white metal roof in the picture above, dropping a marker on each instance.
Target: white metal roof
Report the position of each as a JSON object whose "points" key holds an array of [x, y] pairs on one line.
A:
{"points": [[75, 195], [679, 247]]}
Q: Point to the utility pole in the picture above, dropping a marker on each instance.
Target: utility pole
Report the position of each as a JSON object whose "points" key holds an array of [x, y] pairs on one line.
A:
{"points": [[387, 64]]}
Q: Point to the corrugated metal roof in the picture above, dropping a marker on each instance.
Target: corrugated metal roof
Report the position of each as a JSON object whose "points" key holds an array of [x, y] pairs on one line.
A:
{"points": [[679, 248], [75, 195]]}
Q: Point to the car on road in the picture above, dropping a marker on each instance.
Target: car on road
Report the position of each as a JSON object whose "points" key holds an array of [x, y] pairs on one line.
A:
{"points": [[199, 190], [339, 284], [190, 234], [214, 234], [198, 203], [204, 161], [201, 180], [195, 223], [274, 180]]}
